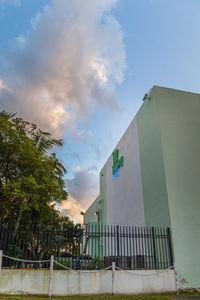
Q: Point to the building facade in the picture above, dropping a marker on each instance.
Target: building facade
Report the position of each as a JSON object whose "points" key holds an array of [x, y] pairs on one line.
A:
{"points": [[152, 178]]}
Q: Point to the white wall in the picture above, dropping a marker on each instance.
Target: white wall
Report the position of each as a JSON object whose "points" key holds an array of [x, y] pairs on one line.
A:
{"points": [[124, 198], [85, 282], [137, 282]]}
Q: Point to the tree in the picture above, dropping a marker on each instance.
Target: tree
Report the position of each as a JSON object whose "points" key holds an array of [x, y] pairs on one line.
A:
{"points": [[31, 178]]}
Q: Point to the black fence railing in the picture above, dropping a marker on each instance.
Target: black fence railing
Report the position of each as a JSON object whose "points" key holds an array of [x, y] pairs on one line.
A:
{"points": [[88, 247]]}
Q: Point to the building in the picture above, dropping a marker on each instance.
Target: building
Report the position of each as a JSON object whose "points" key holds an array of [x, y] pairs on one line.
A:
{"points": [[152, 178]]}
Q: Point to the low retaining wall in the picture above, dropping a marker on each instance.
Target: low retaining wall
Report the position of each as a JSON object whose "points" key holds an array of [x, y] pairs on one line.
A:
{"points": [[86, 282]]}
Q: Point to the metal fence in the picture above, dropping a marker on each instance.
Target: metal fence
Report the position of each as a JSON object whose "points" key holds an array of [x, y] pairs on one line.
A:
{"points": [[88, 247]]}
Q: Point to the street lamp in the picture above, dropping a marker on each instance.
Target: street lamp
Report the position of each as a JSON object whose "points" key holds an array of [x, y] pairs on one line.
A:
{"points": [[97, 213]]}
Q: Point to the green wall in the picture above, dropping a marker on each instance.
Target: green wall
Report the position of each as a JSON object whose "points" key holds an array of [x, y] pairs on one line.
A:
{"points": [[169, 142], [155, 198], [102, 195], [96, 246], [179, 118], [90, 216], [169, 139], [99, 204]]}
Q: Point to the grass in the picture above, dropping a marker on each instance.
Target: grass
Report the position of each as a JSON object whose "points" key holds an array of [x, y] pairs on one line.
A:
{"points": [[96, 297], [99, 297], [191, 294]]}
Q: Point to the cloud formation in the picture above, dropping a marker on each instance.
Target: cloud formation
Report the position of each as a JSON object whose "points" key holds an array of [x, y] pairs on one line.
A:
{"points": [[68, 64], [83, 190]]}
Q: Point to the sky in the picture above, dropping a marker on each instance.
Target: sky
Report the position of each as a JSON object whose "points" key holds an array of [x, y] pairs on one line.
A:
{"points": [[79, 69]]}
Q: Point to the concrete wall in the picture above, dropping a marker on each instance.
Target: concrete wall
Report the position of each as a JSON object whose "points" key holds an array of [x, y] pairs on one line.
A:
{"points": [[179, 118], [127, 283], [90, 216], [98, 204], [159, 184], [85, 282], [154, 187], [120, 201], [124, 205], [169, 142]]}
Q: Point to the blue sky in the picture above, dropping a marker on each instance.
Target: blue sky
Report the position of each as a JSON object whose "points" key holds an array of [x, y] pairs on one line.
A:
{"points": [[81, 70]]}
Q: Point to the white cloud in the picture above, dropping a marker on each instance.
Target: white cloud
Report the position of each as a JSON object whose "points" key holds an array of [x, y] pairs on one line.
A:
{"points": [[4, 3], [1, 84], [69, 63], [82, 189], [35, 20], [19, 42], [76, 168], [78, 134], [72, 209]]}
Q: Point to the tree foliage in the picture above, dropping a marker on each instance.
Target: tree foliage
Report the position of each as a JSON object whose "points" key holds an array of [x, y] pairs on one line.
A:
{"points": [[31, 179]]}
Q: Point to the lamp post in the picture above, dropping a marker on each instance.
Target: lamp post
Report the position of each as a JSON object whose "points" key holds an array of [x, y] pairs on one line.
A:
{"points": [[97, 213], [83, 214]]}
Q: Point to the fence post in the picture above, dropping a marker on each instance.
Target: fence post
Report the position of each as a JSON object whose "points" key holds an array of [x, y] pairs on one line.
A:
{"points": [[170, 246], [154, 248], [117, 245], [175, 277], [78, 265], [1, 257], [113, 278], [51, 275]]}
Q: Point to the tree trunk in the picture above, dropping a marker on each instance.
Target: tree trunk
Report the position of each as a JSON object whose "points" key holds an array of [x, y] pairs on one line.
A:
{"points": [[19, 218], [2, 216]]}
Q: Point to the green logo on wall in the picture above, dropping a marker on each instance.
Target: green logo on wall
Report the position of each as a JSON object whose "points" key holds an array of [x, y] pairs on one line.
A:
{"points": [[117, 163]]}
